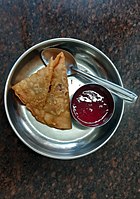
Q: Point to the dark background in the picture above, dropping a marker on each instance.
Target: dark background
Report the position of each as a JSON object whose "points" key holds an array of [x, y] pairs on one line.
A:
{"points": [[112, 172]]}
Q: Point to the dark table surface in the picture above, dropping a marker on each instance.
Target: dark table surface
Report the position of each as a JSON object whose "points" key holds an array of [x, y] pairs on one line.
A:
{"points": [[113, 171]]}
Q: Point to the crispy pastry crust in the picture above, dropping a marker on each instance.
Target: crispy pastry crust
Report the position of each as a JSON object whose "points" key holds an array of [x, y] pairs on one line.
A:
{"points": [[45, 93]]}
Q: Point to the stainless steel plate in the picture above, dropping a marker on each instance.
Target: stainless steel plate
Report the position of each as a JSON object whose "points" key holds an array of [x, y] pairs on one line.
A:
{"points": [[68, 144]]}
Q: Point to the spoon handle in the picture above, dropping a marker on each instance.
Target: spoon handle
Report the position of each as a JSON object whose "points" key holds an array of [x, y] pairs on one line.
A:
{"points": [[114, 88]]}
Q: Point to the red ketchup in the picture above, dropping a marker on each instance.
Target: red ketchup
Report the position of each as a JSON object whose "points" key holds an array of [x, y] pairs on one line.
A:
{"points": [[92, 105]]}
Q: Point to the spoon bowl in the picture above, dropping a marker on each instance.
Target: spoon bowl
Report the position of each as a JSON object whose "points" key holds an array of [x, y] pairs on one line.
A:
{"points": [[70, 62]]}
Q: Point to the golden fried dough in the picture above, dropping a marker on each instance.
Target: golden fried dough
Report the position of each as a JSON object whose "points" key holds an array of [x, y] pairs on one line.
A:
{"points": [[57, 105], [45, 94]]}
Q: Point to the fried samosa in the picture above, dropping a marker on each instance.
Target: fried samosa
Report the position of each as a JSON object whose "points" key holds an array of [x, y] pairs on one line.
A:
{"points": [[45, 93]]}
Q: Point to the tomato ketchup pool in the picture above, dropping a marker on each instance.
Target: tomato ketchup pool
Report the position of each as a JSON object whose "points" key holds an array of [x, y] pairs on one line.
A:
{"points": [[92, 105]]}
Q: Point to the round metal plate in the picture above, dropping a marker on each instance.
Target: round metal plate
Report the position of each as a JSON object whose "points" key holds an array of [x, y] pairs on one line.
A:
{"points": [[62, 144]]}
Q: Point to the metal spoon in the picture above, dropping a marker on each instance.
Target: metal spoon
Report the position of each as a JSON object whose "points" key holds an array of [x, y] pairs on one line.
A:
{"points": [[72, 69]]}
